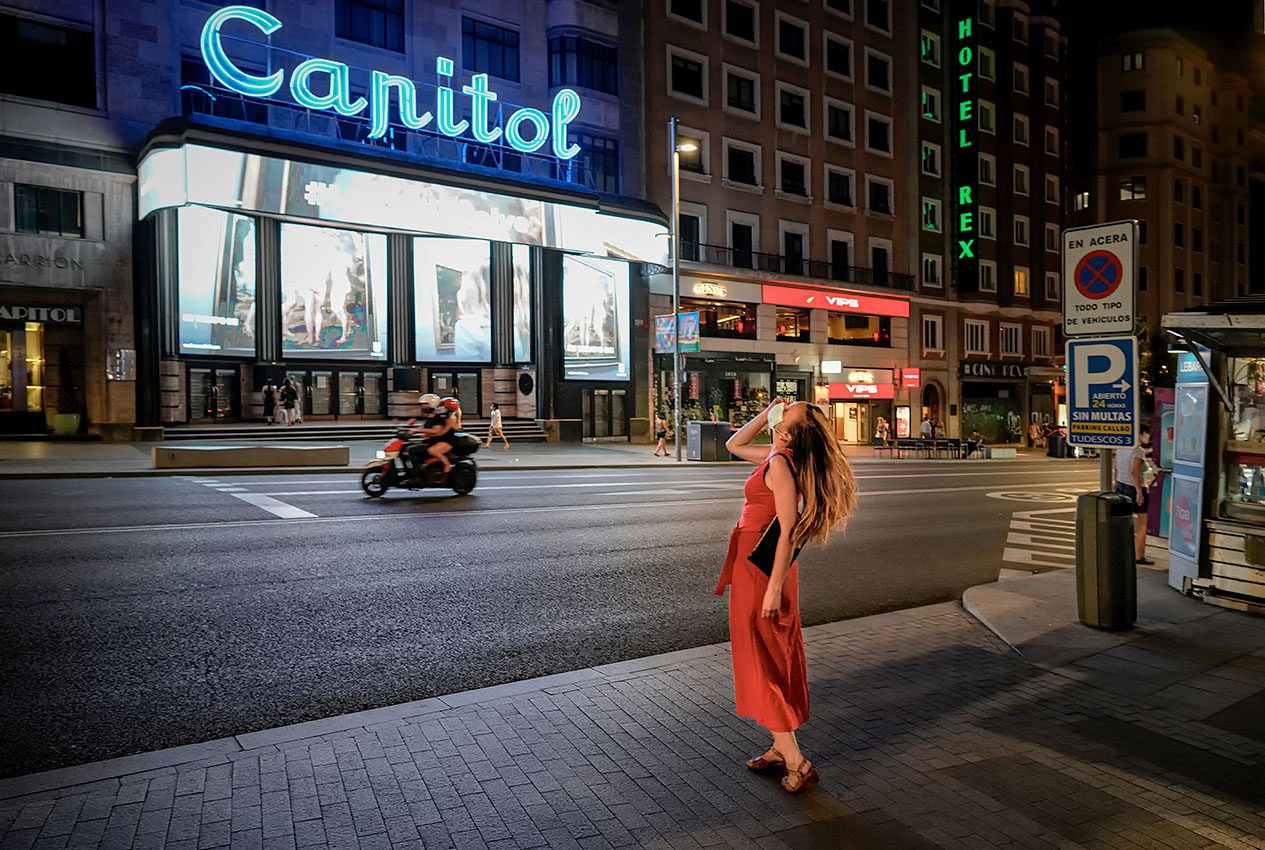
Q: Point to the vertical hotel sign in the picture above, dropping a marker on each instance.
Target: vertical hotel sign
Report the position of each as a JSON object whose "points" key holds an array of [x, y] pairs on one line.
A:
{"points": [[965, 172]]}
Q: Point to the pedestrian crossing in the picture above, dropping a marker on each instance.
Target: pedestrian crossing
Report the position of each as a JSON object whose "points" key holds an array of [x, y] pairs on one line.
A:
{"points": [[1040, 541]]}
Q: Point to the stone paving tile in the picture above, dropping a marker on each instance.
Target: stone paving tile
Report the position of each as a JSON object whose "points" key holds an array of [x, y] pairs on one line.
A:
{"points": [[928, 734]]}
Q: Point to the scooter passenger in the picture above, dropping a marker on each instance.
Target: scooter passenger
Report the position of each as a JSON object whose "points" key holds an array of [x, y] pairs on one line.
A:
{"points": [[417, 451], [442, 429]]}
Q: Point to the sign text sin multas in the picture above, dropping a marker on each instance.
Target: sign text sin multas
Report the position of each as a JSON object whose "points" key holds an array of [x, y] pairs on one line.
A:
{"points": [[526, 130]]}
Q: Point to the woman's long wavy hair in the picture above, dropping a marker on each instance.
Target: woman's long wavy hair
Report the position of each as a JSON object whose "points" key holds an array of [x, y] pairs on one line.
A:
{"points": [[823, 476]]}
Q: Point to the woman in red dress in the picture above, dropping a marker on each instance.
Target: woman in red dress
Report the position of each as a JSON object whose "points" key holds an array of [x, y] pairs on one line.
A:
{"points": [[805, 464]]}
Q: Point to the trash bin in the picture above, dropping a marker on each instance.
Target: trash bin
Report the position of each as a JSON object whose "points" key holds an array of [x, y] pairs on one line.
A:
{"points": [[705, 441], [1106, 575], [1057, 446], [693, 440]]}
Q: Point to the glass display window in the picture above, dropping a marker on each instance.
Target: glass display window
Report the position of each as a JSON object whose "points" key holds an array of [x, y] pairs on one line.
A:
{"points": [[723, 319], [792, 325], [859, 329]]}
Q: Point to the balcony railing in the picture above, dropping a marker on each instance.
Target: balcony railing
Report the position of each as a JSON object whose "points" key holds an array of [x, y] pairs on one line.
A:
{"points": [[719, 255]]}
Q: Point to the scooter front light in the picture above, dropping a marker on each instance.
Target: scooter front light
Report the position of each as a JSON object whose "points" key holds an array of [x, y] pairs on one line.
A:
{"points": [[382, 455]]}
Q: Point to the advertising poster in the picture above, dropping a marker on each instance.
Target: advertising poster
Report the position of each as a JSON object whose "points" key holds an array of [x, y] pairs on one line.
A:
{"points": [[217, 282], [452, 299], [1190, 431], [595, 321], [333, 292], [1164, 426], [902, 421], [663, 334], [1184, 523], [689, 332], [521, 256]]}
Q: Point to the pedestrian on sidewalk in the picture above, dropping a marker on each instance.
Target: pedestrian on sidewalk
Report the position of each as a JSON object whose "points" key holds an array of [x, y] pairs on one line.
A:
{"points": [[806, 462], [1131, 482], [660, 435], [270, 401], [495, 428], [298, 401], [288, 397]]}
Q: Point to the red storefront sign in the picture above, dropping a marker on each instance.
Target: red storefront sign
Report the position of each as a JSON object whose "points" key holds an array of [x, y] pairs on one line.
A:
{"points": [[840, 302], [911, 377], [861, 392]]}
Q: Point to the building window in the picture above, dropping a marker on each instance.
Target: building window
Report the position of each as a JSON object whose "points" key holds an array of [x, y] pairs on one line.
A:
{"points": [[1021, 280], [1081, 201], [740, 20], [723, 320], [1197, 197], [1179, 191], [1132, 61], [1133, 188], [694, 11], [1179, 149], [987, 64], [1133, 101], [689, 76], [578, 61], [987, 223], [841, 258], [839, 56], [857, 329], [793, 176], [1052, 92], [931, 271], [1181, 105], [599, 159], [987, 169], [1197, 114], [692, 160], [60, 62], [1051, 189], [839, 187], [931, 209], [690, 234], [792, 107], [839, 121], [1196, 156], [976, 336], [932, 333], [48, 212], [1131, 145], [1021, 129], [1142, 231], [1040, 342], [1052, 286], [1021, 230], [1051, 44], [843, 7], [987, 276], [878, 71], [1179, 280], [988, 13], [878, 133], [793, 325], [878, 195], [742, 92], [792, 38], [1052, 238], [1179, 234], [931, 159], [742, 164], [1021, 78], [1019, 28], [1196, 240], [376, 22], [1197, 283], [1141, 278], [929, 48], [1011, 340], [1052, 141], [1021, 180], [931, 104], [878, 14], [489, 49], [987, 117], [793, 251], [741, 244]]}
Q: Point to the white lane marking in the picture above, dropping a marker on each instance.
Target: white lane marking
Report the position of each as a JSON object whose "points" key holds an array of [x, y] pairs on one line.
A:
{"points": [[1024, 556], [416, 517], [1051, 543], [273, 506], [1033, 540]]}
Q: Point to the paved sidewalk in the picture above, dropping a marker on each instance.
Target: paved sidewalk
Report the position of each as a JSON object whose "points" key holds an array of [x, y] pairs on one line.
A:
{"points": [[927, 729], [47, 459]]}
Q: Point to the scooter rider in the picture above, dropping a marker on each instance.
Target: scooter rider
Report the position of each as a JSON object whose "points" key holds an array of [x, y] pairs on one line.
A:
{"points": [[417, 451], [442, 429]]}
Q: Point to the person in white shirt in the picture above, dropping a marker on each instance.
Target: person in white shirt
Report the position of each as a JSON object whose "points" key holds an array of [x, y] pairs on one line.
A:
{"points": [[1131, 482], [495, 428]]}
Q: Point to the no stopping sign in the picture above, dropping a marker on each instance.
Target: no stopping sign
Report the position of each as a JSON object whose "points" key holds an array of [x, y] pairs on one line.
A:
{"points": [[1098, 279]]}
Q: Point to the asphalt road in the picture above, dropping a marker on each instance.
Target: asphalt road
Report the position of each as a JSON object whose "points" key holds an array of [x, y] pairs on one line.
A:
{"points": [[146, 613]]}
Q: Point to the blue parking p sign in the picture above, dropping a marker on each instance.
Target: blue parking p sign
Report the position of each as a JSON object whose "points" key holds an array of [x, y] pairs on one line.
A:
{"points": [[1102, 392]]}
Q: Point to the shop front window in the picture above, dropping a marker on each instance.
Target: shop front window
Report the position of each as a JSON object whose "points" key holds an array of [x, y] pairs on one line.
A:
{"points": [[1245, 461], [723, 320], [792, 325], [995, 409], [729, 392], [859, 329], [22, 368]]}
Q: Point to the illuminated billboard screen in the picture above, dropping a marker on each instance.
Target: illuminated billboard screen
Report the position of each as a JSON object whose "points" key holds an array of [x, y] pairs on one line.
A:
{"points": [[595, 319], [453, 302], [521, 255], [217, 282], [333, 292]]}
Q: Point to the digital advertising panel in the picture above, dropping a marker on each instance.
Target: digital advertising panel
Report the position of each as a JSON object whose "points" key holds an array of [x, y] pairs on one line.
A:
{"points": [[217, 282], [452, 299], [595, 319], [521, 257], [333, 292]]}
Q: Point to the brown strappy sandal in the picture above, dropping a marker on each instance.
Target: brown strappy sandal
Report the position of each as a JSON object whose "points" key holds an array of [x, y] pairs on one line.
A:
{"points": [[762, 765], [800, 778]]}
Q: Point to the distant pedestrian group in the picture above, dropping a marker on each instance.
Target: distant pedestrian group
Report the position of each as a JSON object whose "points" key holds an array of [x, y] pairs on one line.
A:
{"points": [[284, 403]]}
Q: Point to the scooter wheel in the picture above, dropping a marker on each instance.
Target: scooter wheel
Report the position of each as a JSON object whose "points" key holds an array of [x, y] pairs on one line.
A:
{"points": [[462, 479], [374, 483]]}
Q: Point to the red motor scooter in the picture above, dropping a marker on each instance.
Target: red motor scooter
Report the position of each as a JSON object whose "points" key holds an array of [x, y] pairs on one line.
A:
{"points": [[394, 467]]}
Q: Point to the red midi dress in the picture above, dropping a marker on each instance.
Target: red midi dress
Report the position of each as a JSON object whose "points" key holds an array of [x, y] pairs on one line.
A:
{"points": [[770, 675]]}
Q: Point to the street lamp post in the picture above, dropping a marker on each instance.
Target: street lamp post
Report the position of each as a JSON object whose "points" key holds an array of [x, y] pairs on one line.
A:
{"points": [[676, 150]]}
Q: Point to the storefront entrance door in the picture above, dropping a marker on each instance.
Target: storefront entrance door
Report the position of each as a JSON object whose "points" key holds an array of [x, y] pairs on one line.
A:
{"points": [[606, 414], [852, 421], [214, 395], [463, 385], [360, 395]]}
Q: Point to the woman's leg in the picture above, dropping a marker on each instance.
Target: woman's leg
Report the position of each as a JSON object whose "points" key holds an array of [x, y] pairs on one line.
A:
{"points": [[786, 744]]}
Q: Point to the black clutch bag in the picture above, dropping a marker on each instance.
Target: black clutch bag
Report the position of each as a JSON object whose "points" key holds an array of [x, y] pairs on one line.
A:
{"points": [[763, 553]]}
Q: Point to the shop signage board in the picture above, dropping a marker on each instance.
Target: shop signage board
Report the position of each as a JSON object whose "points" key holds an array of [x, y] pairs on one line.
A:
{"points": [[838, 302], [708, 289], [963, 201], [992, 369], [29, 313], [911, 377], [1099, 279], [861, 392], [1102, 392]]}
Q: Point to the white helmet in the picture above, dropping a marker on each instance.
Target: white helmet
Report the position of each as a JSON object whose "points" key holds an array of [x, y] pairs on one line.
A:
{"points": [[429, 400]]}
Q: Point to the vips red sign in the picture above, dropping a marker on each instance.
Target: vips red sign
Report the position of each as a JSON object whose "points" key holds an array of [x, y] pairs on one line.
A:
{"points": [[840, 302], [911, 377], [861, 392]]}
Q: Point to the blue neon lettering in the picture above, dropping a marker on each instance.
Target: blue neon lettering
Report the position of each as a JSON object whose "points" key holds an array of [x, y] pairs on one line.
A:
{"points": [[222, 68], [443, 103], [566, 106], [514, 132], [339, 87], [480, 98], [380, 85]]}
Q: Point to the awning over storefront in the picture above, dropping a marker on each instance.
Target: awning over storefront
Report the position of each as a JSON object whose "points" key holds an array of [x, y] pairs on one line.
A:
{"points": [[1236, 326], [271, 185]]}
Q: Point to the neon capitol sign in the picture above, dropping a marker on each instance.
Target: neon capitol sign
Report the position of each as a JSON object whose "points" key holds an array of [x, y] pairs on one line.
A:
{"points": [[526, 130]]}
